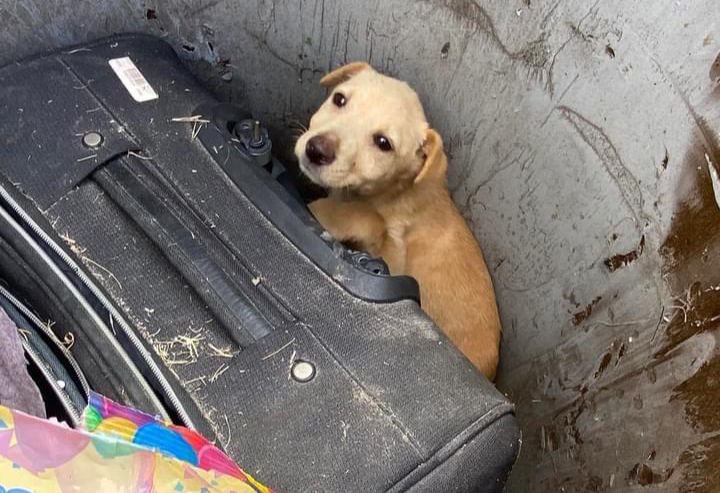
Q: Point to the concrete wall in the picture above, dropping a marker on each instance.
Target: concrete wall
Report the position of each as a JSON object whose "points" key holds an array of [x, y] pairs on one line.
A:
{"points": [[580, 136]]}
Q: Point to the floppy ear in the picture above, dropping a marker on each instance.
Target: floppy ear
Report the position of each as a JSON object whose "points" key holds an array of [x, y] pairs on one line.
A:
{"points": [[343, 73], [435, 165]]}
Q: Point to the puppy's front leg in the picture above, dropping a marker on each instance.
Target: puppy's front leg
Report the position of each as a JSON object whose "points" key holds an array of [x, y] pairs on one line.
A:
{"points": [[351, 222]]}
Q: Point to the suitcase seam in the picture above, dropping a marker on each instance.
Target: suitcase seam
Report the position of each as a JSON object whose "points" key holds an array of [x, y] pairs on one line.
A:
{"points": [[417, 448], [452, 446]]}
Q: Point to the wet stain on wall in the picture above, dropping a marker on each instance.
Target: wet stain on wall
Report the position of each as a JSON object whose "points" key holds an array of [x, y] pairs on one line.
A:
{"points": [[644, 475], [701, 394], [621, 260], [582, 315], [695, 310], [699, 463], [691, 253]]}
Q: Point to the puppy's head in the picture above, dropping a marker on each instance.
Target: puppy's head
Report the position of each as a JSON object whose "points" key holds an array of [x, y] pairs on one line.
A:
{"points": [[369, 136]]}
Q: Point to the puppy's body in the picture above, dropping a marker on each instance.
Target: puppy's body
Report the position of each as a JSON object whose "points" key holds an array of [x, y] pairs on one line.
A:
{"points": [[397, 206]]}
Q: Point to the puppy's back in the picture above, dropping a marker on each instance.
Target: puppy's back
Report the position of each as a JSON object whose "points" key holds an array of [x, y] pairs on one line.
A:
{"points": [[455, 285]]}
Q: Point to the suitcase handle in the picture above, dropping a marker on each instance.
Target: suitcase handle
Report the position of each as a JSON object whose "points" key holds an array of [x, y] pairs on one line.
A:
{"points": [[362, 276], [190, 255]]}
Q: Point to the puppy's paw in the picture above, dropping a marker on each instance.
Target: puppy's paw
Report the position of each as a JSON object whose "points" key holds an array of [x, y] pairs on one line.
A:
{"points": [[350, 222]]}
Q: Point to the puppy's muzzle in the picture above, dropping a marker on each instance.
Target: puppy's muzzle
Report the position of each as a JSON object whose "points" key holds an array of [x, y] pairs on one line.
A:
{"points": [[320, 150]]}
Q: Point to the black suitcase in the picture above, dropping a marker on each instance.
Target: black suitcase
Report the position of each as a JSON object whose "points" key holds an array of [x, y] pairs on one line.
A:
{"points": [[151, 223]]}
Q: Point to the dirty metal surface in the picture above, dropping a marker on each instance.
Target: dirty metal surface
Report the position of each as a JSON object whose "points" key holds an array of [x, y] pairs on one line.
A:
{"points": [[584, 152]]}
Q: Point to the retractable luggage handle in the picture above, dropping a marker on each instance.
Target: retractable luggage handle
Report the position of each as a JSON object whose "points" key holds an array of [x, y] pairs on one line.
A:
{"points": [[253, 173]]}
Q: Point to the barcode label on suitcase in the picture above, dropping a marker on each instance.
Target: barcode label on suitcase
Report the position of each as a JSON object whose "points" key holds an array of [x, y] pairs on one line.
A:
{"points": [[133, 80]]}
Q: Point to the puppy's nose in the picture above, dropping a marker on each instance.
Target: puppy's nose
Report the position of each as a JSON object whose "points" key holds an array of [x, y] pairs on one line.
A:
{"points": [[320, 149]]}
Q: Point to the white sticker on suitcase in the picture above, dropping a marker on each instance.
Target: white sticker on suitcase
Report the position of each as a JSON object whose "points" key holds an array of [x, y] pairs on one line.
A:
{"points": [[133, 80]]}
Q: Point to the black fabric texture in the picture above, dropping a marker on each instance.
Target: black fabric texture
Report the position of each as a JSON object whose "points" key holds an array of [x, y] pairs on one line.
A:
{"points": [[482, 464], [218, 276], [32, 282], [41, 147], [392, 406], [172, 319]]}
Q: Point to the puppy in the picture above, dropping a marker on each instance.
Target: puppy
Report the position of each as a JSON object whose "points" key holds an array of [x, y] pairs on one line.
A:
{"points": [[370, 146]]}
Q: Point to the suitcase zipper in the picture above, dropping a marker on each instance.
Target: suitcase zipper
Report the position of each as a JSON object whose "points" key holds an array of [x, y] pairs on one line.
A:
{"points": [[67, 404], [114, 314], [51, 336]]}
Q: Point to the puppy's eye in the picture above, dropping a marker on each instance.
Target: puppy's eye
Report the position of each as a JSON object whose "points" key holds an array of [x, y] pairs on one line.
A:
{"points": [[382, 142], [339, 99]]}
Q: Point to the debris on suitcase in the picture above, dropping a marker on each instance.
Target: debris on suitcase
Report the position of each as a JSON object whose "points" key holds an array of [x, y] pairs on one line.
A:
{"points": [[45, 455], [198, 287]]}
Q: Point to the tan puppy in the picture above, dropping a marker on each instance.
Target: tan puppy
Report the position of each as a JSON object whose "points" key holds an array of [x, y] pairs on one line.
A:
{"points": [[385, 170]]}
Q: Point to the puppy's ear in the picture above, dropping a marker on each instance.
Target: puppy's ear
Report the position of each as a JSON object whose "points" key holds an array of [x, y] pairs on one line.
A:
{"points": [[343, 73], [434, 167]]}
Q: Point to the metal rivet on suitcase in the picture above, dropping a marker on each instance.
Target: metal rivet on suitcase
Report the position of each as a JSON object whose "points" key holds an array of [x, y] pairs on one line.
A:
{"points": [[302, 371], [92, 139]]}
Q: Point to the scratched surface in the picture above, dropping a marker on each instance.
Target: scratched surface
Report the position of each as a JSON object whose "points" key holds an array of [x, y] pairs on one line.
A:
{"points": [[581, 138]]}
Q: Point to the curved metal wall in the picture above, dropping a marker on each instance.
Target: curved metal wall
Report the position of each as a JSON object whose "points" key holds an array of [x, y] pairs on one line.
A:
{"points": [[581, 138]]}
